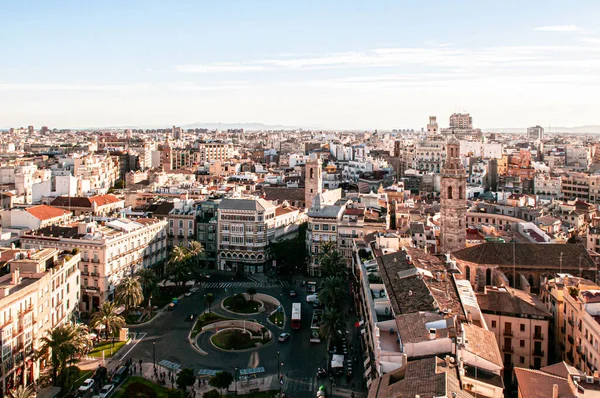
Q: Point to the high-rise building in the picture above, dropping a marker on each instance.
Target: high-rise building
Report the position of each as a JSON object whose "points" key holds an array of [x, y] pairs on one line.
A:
{"points": [[313, 181], [461, 121], [535, 133], [453, 201]]}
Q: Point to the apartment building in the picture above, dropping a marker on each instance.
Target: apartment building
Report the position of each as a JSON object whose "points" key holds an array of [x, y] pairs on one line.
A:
{"points": [[535, 133], [213, 151], [430, 154], [100, 170], [182, 223], [461, 121], [206, 223], [245, 228], [41, 293], [520, 322], [110, 251], [97, 205], [323, 217]]}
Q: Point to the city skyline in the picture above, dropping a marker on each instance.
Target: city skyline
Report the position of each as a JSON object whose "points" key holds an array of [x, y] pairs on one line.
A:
{"points": [[340, 65]]}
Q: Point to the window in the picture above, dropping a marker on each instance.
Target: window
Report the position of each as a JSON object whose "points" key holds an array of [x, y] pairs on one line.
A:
{"points": [[461, 194], [449, 196], [522, 327], [316, 227], [521, 359], [494, 324], [325, 227], [521, 343]]}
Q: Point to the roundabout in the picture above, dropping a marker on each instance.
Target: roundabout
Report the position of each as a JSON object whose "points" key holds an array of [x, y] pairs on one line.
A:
{"points": [[237, 339]]}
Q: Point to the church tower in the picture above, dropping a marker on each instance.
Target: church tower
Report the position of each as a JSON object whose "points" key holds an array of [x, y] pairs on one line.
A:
{"points": [[453, 211], [313, 180]]}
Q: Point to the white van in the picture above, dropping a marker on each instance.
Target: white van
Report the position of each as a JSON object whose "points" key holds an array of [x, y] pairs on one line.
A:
{"points": [[311, 298]]}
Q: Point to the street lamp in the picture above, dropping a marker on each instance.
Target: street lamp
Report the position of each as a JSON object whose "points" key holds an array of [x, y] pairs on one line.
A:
{"points": [[154, 354], [236, 379], [278, 367]]}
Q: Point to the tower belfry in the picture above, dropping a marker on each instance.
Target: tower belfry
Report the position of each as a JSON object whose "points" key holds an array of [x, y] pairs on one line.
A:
{"points": [[453, 211]]}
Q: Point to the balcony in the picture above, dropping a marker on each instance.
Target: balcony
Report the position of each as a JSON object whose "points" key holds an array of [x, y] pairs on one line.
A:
{"points": [[563, 329], [95, 260], [538, 336], [508, 332], [571, 322], [570, 339], [85, 273], [95, 274], [579, 349], [538, 353], [507, 349]]}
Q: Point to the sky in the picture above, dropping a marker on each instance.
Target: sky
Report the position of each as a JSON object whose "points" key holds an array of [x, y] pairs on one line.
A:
{"points": [[323, 64]]}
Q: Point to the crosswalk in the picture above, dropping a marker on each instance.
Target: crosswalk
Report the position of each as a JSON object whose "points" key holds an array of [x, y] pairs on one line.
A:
{"points": [[227, 285], [301, 384]]}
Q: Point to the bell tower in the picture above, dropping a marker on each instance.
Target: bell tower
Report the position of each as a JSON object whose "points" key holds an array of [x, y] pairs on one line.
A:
{"points": [[453, 211], [313, 180]]}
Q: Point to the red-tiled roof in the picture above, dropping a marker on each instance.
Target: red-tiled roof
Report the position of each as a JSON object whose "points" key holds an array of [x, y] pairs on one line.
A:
{"points": [[45, 212], [101, 200]]}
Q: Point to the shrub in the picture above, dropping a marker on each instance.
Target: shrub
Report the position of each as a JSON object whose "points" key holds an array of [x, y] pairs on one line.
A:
{"points": [[139, 390]]}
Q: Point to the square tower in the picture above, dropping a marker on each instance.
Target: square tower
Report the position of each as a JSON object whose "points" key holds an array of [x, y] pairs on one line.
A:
{"points": [[313, 180], [453, 212]]}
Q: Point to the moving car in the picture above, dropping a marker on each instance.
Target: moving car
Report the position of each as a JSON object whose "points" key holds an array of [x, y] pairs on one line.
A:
{"points": [[293, 293], [311, 298], [106, 390], [284, 337], [86, 385], [120, 375]]}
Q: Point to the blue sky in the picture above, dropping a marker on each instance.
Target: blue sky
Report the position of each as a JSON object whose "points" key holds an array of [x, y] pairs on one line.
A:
{"points": [[329, 64]]}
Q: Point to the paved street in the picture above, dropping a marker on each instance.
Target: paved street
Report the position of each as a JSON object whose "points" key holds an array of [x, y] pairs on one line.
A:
{"points": [[245, 285], [299, 357]]}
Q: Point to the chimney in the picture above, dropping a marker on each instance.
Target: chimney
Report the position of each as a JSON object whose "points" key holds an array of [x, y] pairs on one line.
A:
{"points": [[554, 390], [16, 278]]}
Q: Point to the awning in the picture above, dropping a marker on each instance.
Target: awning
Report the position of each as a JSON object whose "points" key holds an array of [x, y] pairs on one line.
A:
{"points": [[251, 371], [207, 372], [169, 365]]}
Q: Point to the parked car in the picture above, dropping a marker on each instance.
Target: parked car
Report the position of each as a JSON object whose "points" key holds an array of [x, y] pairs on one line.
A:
{"points": [[284, 337], [120, 375], [86, 385], [106, 390], [293, 293]]}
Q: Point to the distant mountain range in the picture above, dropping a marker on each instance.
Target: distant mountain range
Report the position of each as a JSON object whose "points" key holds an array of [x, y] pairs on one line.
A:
{"points": [[245, 126], [591, 129]]}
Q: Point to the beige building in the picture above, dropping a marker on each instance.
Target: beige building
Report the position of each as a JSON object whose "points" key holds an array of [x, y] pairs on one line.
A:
{"points": [[41, 293], [520, 322], [109, 251], [461, 121]]}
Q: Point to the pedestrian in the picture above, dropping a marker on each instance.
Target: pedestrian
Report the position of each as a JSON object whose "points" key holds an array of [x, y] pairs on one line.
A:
{"points": [[140, 364]]}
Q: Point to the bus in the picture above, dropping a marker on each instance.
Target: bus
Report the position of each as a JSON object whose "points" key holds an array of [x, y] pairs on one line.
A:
{"points": [[296, 310]]}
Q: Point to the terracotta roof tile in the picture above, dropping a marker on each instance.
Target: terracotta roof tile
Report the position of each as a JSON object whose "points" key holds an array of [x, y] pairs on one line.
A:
{"points": [[45, 212]]}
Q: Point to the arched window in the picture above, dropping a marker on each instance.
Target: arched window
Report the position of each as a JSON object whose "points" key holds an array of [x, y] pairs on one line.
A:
{"points": [[312, 173], [449, 192], [488, 277], [461, 192], [468, 272]]}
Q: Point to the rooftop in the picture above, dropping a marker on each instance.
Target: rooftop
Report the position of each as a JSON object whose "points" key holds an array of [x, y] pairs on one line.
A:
{"points": [[511, 301]]}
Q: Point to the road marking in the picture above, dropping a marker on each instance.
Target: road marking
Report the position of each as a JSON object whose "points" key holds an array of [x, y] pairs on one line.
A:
{"points": [[254, 360], [142, 334]]}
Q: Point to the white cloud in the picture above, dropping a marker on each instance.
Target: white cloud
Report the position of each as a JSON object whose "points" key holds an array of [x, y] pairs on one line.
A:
{"points": [[560, 28], [592, 40]]}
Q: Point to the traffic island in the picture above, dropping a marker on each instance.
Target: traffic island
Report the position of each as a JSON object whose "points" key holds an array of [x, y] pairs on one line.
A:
{"points": [[242, 304], [239, 335]]}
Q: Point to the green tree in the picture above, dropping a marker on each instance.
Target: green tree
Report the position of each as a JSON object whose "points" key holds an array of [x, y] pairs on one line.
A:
{"points": [[238, 302], [196, 252], [176, 394], [129, 293], [186, 378], [107, 316], [222, 380], [333, 264], [148, 280], [178, 269], [211, 394], [333, 292], [290, 254], [210, 298], [62, 345], [332, 325], [251, 292]]}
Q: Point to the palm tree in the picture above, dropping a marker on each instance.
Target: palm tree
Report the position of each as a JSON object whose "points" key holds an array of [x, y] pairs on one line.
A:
{"points": [[210, 298], [21, 392], [332, 324], [333, 264], [107, 316], [196, 252], [148, 280], [129, 292], [177, 266], [333, 292], [63, 344]]}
